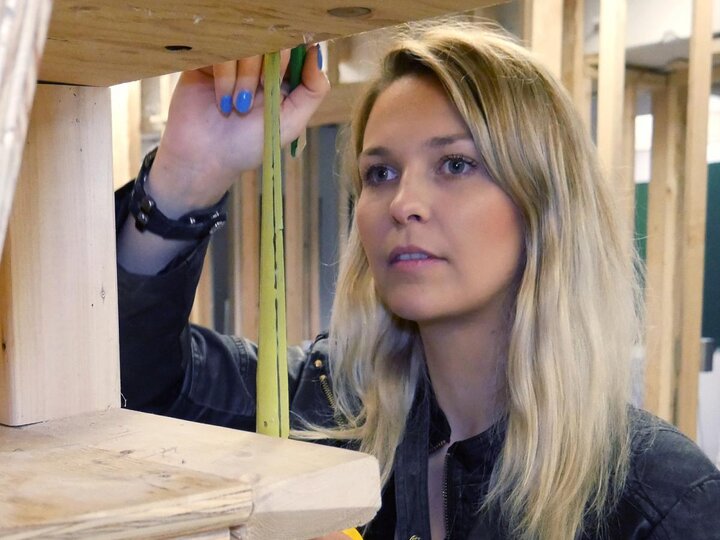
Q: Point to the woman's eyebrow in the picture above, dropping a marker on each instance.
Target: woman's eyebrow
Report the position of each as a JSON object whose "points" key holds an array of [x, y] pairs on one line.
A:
{"points": [[446, 140], [433, 142], [375, 151]]}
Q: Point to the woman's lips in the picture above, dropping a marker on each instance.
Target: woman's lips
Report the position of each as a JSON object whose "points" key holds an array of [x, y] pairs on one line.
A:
{"points": [[411, 256]]}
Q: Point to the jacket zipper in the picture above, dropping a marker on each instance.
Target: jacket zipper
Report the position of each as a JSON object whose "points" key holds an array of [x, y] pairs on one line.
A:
{"points": [[326, 390], [445, 495]]}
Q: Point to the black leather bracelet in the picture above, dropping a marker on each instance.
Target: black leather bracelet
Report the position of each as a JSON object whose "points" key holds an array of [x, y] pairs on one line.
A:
{"points": [[191, 226]]}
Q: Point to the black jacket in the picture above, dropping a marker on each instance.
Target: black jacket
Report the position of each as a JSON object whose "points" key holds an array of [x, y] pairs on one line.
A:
{"points": [[170, 367]]}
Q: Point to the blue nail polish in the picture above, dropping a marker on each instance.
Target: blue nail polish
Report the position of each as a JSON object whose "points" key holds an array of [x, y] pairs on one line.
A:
{"points": [[226, 104], [319, 57], [244, 101]]}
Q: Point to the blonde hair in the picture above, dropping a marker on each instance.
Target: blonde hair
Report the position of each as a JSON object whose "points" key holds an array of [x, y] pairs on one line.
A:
{"points": [[575, 317]]}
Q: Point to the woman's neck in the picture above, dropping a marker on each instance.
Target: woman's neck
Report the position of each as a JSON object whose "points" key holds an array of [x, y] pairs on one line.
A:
{"points": [[466, 366]]}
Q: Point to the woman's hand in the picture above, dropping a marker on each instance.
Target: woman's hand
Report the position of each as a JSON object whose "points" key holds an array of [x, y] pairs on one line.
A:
{"points": [[215, 129], [213, 133]]}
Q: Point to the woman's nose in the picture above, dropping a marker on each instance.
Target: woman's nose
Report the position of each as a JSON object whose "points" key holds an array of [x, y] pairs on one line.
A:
{"points": [[410, 201]]}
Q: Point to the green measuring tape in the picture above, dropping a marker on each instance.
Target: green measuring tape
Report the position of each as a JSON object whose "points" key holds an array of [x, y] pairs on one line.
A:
{"points": [[273, 414], [273, 408]]}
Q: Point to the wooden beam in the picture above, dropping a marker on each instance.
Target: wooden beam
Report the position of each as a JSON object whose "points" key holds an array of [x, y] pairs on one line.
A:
{"points": [[23, 25], [546, 32], [661, 286], [126, 108], [58, 307], [578, 85], [611, 84], [294, 247], [627, 174], [250, 259], [312, 271], [694, 214], [107, 42], [134, 475], [337, 107], [203, 306]]}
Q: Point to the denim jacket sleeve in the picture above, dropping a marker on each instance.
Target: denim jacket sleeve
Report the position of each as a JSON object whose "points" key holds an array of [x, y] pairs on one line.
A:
{"points": [[171, 367]]}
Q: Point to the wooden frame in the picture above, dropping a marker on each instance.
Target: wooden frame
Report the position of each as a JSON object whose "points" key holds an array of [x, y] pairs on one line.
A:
{"points": [[693, 216]]}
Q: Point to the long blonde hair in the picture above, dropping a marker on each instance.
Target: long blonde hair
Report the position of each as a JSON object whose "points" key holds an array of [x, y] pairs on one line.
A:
{"points": [[575, 317]]}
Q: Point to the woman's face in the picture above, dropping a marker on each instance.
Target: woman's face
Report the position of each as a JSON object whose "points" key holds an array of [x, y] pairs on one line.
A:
{"points": [[442, 239]]}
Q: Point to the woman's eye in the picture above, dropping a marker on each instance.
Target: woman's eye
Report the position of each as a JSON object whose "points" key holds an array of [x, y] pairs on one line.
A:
{"points": [[457, 165], [378, 174]]}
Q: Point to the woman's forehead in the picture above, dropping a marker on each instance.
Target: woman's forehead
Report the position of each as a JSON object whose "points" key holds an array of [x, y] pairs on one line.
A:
{"points": [[415, 107]]}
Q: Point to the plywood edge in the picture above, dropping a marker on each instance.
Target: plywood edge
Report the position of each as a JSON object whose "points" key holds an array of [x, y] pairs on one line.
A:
{"points": [[300, 489], [54, 488]]}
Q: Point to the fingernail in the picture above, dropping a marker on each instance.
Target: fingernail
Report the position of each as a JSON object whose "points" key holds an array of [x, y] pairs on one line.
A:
{"points": [[319, 56], [226, 104], [244, 101]]}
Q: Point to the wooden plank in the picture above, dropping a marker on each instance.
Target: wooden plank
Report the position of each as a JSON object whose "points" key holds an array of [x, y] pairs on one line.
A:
{"points": [[125, 99], [108, 42], [300, 490], [694, 214], [294, 239], [202, 309], [578, 85], [545, 25], [58, 307], [627, 173], [23, 26], [338, 105], [661, 278], [235, 239], [53, 488], [312, 273], [250, 271], [611, 85], [223, 534]]}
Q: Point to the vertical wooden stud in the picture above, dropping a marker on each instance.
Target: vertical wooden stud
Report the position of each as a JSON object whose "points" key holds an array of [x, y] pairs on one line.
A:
{"points": [[294, 239], [577, 83], [202, 310], [662, 250], [313, 246], [250, 258], [694, 214], [235, 239], [627, 173], [544, 24], [23, 27], [58, 301], [611, 84], [125, 100]]}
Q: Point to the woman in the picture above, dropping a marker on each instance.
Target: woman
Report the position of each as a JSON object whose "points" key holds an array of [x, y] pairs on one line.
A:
{"points": [[485, 310]]}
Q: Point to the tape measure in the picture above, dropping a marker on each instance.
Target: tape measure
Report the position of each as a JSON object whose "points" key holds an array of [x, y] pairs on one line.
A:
{"points": [[273, 408]]}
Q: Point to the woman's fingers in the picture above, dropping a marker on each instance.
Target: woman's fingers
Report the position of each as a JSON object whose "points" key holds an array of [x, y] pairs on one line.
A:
{"points": [[304, 100], [246, 84], [313, 77], [225, 75]]}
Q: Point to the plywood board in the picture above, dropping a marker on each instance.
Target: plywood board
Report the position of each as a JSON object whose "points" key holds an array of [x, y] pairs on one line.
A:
{"points": [[106, 42], [53, 488], [300, 489]]}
